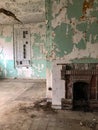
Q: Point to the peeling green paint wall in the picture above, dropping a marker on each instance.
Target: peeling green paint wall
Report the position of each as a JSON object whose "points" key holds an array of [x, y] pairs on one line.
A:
{"points": [[61, 39], [38, 58], [74, 30], [69, 33]]}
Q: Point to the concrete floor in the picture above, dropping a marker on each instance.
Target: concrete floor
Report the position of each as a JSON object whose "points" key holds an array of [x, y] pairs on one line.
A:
{"points": [[23, 107]]}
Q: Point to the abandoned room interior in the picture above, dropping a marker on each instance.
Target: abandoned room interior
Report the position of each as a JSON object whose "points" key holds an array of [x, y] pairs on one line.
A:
{"points": [[49, 64]]}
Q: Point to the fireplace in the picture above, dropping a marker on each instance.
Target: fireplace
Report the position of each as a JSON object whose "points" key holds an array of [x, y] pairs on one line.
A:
{"points": [[80, 95], [81, 86]]}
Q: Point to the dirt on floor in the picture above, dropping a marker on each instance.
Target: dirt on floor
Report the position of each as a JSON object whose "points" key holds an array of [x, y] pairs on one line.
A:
{"points": [[23, 106], [32, 116]]}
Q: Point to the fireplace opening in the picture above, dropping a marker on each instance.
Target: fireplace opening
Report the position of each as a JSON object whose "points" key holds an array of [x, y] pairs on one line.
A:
{"points": [[80, 95]]}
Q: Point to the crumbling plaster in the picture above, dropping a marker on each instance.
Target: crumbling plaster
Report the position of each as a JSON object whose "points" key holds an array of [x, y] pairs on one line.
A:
{"points": [[71, 36], [26, 11], [74, 29], [72, 32]]}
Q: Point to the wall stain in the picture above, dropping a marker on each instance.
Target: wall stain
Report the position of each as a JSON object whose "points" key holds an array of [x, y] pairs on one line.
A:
{"points": [[62, 9], [86, 5]]}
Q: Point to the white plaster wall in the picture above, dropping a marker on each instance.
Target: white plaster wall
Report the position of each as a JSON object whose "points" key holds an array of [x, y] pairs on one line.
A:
{"points": [[6, 47], [58, 85], [24, 72], [48, 84]]}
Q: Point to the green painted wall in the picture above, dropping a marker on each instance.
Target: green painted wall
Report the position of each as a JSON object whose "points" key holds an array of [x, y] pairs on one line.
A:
{"points": [[70, 33], [74, 30], [37, 68]]}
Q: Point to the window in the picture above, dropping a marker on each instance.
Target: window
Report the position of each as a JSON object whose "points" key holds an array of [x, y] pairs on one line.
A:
{"points": [[22, 47]]}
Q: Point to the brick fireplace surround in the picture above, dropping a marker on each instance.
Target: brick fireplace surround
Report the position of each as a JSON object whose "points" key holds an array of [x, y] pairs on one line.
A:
{"points": [[75, 86]]}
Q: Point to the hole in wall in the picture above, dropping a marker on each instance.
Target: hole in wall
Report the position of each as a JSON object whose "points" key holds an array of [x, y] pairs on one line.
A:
{"points": [[50, 89]]}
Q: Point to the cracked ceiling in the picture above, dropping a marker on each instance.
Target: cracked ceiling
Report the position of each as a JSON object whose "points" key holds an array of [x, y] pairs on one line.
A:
{"points": [[22, 11]]}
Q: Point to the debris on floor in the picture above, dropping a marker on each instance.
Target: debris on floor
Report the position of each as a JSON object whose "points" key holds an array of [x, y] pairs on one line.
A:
{"points": [[90, 124], [23, 106], [45, 106], [38, 105]]}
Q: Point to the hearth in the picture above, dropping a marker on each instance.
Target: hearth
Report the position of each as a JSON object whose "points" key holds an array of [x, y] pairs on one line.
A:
{"points": [[81, 86]]}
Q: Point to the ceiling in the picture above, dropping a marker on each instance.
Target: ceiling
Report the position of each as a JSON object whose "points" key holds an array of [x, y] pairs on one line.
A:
{"points": [[22, 11]]}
